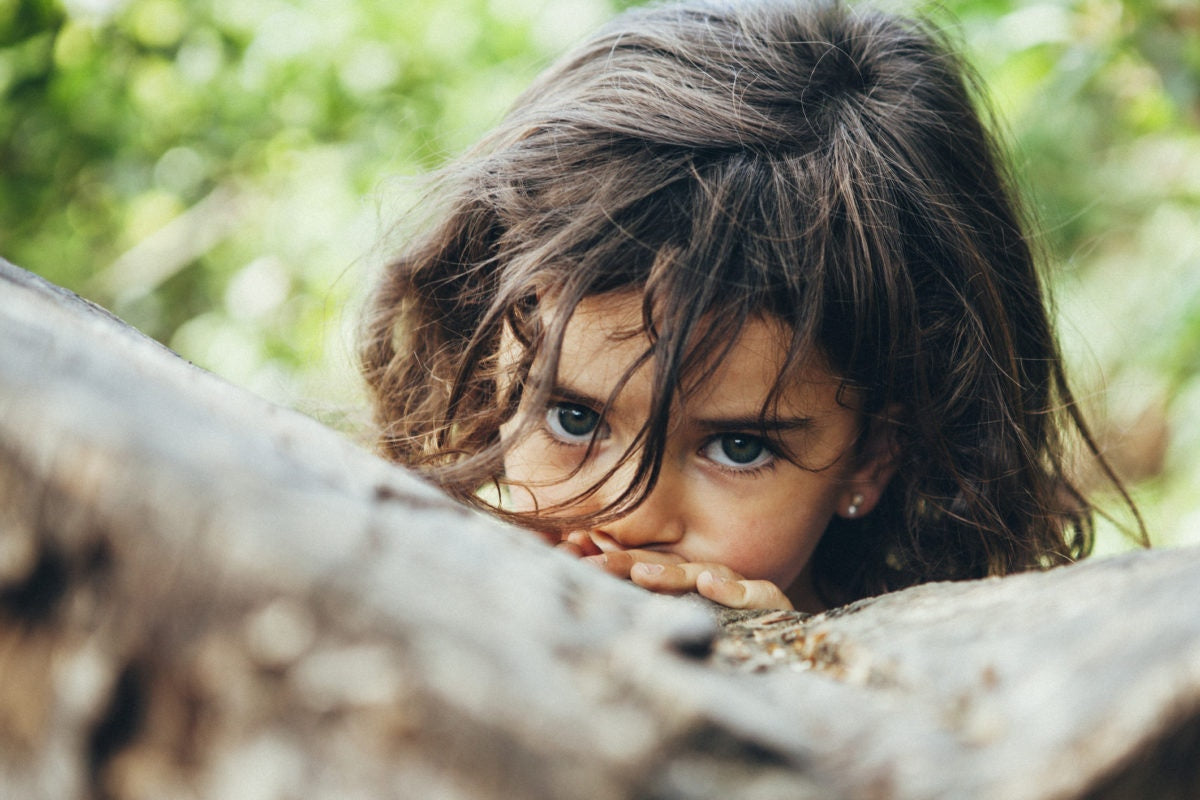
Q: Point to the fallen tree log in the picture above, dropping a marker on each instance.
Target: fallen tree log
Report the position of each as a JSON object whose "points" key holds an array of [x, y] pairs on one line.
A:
{"points": [[206, 596]]}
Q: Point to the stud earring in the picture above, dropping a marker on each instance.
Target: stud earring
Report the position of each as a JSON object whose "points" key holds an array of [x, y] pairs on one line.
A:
{"points": [[855, 505]]}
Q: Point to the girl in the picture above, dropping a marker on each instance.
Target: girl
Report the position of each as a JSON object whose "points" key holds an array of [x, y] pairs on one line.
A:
{"points": [[737, 300]]}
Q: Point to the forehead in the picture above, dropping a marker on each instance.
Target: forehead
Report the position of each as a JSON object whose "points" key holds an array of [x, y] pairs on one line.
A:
{"points": [[606, 335]]}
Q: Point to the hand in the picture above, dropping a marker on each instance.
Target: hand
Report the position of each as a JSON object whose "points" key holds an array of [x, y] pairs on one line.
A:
{"points": [[668, 573], [717, 582]]}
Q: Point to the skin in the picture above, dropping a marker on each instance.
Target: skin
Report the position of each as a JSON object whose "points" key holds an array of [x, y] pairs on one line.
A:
{"points": [[727, 517]]}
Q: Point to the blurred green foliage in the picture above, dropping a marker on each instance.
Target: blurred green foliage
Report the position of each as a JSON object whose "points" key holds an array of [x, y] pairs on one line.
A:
{"points": [[219, 172], [216, 170]]}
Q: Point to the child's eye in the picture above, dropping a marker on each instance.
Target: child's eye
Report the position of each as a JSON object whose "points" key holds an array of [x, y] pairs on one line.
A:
{"points": [[738, 451], [572, 423]]}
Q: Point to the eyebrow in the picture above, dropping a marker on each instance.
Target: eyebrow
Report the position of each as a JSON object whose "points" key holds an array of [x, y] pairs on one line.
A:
{"points": [[566, 394], [752, 422]]}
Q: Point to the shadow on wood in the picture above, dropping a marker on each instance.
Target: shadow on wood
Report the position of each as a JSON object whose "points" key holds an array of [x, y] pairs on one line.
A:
{"points": [[206, 596]]}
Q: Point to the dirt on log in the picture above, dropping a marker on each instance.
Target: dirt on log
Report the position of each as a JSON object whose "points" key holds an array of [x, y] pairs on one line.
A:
{"points": [[206, 596]]}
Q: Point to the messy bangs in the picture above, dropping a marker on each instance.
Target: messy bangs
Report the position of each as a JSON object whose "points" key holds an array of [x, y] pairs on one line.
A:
{"points": [[718, 245]]}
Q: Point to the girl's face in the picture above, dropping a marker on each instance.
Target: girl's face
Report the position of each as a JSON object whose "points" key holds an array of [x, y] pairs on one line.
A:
{"points": [[722, 496]]}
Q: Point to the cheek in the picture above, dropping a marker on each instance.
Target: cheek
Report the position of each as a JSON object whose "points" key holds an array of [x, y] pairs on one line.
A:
{"points": [[774, 540], [539, 475], [535, 461]]}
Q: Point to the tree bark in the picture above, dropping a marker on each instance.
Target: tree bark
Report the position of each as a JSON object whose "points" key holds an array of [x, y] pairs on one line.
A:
{"points": [[206, 596]]}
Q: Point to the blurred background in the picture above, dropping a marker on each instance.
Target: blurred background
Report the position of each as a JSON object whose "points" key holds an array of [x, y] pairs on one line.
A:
{"points": [[222, 173]]}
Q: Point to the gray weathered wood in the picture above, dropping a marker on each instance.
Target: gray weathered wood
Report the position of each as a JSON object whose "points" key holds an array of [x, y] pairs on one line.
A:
{"points": [[206, 596]]}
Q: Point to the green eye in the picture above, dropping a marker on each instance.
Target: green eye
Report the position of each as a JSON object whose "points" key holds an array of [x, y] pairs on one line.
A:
{"points": [[571, 423], [738, 451]]}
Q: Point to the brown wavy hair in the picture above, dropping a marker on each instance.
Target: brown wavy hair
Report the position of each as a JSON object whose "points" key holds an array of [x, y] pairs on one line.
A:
{"points": [[824, 165]]}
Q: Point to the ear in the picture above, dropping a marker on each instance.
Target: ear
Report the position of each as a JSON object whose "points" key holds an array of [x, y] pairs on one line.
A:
{"points": [[876, 463]]}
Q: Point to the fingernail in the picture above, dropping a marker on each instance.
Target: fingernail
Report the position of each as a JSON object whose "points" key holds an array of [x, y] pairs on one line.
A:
{"points": [[649, 569]]}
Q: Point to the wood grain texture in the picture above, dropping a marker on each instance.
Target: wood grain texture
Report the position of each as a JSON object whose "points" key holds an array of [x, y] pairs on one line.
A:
{"points": [[206, 596]]}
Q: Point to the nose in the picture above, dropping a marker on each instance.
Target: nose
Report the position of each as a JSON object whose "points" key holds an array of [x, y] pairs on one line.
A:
{"points": [[661, 517]]}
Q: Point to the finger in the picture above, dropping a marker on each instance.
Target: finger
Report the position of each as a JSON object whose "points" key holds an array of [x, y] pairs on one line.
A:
{"points": [[603, 542], [675, 578], [617, 563], [741, 593], [570, 548], [620, 562], [584, 542]]}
